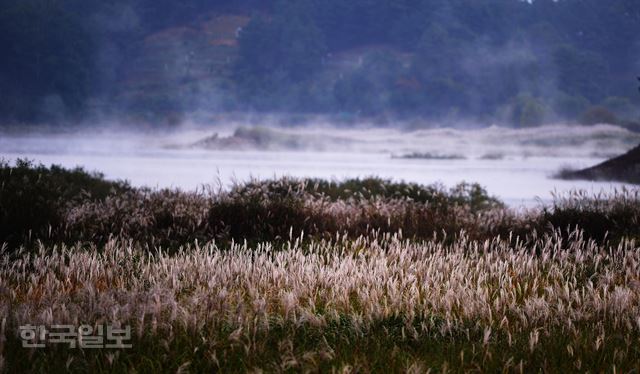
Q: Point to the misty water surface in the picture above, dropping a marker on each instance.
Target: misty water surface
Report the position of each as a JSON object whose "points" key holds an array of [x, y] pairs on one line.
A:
{"points": [[515, 165]]}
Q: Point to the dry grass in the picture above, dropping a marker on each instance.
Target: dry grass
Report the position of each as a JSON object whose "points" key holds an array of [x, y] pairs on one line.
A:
{"points": [[336, 304]]}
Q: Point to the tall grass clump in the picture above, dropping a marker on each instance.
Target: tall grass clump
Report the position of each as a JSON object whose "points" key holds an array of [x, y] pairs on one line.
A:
{"points": [[276, 209], [56, 206], [614, 215], [366, 188], [66, 206]]}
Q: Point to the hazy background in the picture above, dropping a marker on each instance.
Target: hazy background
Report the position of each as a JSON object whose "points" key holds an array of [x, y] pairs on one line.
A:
{"points": [[518, 63], [178, 93]]}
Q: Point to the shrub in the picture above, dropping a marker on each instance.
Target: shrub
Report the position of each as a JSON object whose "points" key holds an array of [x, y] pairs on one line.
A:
{"points": [[254, 216], [32, 197], [370, 187], [55, 205], [164, 218]]}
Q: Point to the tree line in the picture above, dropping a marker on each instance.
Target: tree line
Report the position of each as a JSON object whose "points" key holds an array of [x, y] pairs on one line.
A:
{"points": [[520, 61]]}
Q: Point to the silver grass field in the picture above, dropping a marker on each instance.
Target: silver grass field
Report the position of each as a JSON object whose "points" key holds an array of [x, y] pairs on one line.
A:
{"points": [[487, 303], [315, 276]]}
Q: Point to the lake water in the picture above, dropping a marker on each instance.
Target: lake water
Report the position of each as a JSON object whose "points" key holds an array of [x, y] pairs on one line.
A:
{"points": [[514, 165]]}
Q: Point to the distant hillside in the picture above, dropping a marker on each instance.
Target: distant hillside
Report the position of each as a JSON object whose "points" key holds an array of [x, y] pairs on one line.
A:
{"points": [[520, 63], [183, 68]]}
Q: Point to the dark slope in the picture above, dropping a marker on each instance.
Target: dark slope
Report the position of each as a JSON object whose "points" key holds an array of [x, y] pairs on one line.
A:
{"points": [[625, 168]]}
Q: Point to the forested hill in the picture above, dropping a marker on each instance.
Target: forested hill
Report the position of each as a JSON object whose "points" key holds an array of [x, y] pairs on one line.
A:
{"points": [[510, 61]]}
